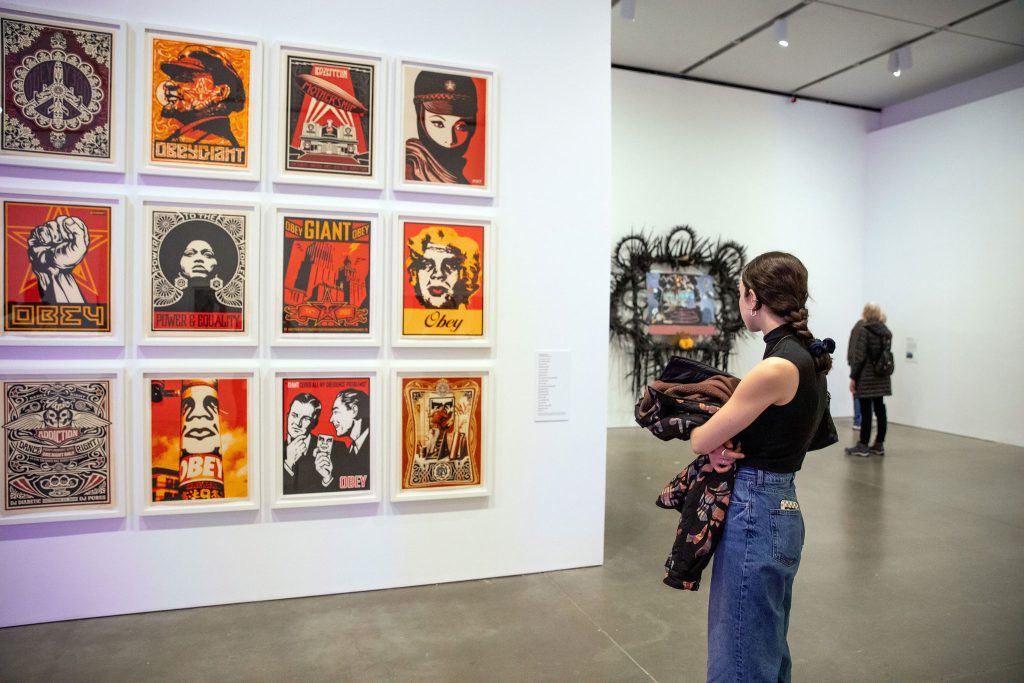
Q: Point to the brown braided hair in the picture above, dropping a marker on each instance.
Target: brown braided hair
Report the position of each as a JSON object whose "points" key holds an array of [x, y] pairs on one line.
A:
{"points": [[780, 282]]}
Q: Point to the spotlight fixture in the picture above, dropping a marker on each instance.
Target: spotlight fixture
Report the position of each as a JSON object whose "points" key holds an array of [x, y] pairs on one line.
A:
{"points": [[781, 32], [894, 64], [627, 9]]}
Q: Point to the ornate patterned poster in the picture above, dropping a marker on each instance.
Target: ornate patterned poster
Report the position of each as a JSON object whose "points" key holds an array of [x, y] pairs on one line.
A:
{"points": [[199, 438], [330, 116], [441, 432], [326, 285], [56, 443], [198, 271], [56, 267], [445, 127], [326, 445], [57, 88], [442, 293], [200, 104]]}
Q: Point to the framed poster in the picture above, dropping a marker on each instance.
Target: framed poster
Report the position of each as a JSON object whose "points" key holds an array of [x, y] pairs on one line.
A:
{"points": [[442, 281], [443, 432], [197, 284], [446, 129], [326, 444], [329, 109], [62, 441], [200, 115], [64, 91], [326, 288], [63, 270], [197, 451]]}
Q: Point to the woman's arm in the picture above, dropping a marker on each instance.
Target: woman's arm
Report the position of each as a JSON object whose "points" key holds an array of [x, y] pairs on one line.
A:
{"points": [[773, 381], [860, 354]]}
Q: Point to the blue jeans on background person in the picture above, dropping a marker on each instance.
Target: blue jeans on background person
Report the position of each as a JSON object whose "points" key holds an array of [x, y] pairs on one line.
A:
{"points": [[856, 412], [752, 580]]}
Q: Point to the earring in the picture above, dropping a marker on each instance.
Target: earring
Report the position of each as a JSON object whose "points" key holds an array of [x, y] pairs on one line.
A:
{"points": [[753, 312], [216, 283], [180, 282]]}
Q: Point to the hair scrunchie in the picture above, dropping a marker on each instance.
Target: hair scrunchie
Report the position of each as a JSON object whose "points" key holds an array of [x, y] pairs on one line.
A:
{"points": [[821, 346]]}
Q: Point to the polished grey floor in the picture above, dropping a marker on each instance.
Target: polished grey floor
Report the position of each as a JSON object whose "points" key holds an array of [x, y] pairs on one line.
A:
{"points": [[913, 570]]}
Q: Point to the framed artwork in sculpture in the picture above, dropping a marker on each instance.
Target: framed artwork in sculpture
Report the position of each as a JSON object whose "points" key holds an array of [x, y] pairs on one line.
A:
{"points": [[442, 281], [197, 448], [326, 442], [196, 265], [63, 448], [63, 269], [329, 114], [326, 287], [445, 129], [63, 91], [201, 104], [443, 437]]}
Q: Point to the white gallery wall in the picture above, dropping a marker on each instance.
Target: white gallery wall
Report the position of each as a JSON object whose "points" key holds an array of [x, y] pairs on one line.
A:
{"points": [[943, 243], [756, 169], [925, 217], [546, 509]]}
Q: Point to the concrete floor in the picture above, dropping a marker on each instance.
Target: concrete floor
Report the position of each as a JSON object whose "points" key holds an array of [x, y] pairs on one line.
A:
{"points": [[912, 571]]}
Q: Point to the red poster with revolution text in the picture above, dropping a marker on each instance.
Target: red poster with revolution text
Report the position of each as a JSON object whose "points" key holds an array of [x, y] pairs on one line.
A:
{"points": [[326, 435], [56, 267], [199, 438]]}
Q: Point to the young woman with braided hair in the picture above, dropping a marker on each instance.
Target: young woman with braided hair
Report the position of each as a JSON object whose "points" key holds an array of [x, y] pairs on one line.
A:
{"points": [[764, 429]]}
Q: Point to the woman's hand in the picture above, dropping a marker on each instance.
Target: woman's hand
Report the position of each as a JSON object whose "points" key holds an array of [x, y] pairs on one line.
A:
{"points": [[853, 386], [723, 457]]}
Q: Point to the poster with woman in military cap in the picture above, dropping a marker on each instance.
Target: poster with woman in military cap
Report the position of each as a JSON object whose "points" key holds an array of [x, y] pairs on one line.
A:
{"points": [[201, 115], [198, 283], [447, 127]]}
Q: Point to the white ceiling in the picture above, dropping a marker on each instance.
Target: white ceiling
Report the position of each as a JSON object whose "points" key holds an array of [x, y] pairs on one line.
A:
{"points": [[838, 49]]}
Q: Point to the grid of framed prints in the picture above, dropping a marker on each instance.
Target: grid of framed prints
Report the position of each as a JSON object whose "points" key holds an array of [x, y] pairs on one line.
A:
{"points": [[208, 273]]}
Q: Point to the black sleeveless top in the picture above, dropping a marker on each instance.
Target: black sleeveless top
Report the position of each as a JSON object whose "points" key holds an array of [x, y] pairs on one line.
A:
{"points": [[777, 440]]}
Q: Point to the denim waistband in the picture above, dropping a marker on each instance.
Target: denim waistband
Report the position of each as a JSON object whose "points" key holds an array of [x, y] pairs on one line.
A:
{"points": [[761, 477]]}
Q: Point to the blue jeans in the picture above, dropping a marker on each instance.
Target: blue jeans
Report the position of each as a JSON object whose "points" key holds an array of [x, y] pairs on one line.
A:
{"points": [[752, 580], [856, 411]]}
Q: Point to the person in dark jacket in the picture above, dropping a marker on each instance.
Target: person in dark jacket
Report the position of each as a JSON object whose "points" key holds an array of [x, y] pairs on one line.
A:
{"points": [[866, 383], [849, 361]]}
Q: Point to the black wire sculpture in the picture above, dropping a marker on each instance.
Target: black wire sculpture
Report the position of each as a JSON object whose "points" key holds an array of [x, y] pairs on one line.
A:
{"points": [[639, 256]]}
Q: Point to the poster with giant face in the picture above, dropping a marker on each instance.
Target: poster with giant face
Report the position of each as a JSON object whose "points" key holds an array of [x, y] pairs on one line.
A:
{"points": [[57, 89], [56, 444], [326, 429], [200, 104], [443, 280], [199, 436], [445, 126], [326, 275], [197, 271], [57, 267], [329, 116], [441, 432]]}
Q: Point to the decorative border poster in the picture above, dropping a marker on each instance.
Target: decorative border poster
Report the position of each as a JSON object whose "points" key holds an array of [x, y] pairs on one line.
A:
{"points": [[58, 445], [58, 94], [442, 435], [198, 282]]}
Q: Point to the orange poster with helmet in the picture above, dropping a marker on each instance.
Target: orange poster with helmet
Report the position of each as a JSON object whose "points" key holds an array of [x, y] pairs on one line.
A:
{"points": [[200, 104]]}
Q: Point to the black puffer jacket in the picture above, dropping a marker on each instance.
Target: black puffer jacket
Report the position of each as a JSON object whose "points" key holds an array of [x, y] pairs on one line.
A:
{"points": [[868, 343]]}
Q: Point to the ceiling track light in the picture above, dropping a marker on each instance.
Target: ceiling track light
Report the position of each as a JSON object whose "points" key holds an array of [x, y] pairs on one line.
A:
{"points": [[627, 10], [781, 32], [899, 61]]}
